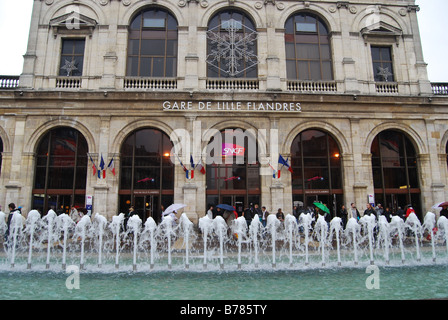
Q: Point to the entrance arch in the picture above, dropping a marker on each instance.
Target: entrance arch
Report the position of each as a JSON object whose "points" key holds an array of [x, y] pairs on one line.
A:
{"points": [[316, 163], [60, 170], [395, 171], [233, 170], [146, 173]]}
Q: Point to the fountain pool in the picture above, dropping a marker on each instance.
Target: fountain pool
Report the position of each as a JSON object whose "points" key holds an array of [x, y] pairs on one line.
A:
{"points": [[396, 283], [169, 261]]}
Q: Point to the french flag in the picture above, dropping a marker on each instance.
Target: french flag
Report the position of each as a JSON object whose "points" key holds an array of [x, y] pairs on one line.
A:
{"points": [[111, 166], [189, 174], [285, 163], [102, 172]]}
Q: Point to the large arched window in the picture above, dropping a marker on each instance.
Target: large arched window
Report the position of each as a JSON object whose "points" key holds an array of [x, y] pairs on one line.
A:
{"points": [[395, 171], [61, 171], [233, 175], [308, 51], [231, 46], [152, 47], [147, 173], [316, 163]]}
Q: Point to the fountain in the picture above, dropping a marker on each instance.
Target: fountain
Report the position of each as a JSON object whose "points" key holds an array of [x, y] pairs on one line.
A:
{"points": [[336, 228], [271, 226], [166, 231], [81, 229], [220, 227], [429, 224], [291, 229], [251, 245], [187, 227], [442, 223], [322, 227], [240, 229], [115, 226], [64, 223], [50, 220], [150, 228], [369, 222], [101, 223], [134, 225], [383, 236], [3, 225], [255, 229], [413, 223], [305, 222], [398, 224], [206, 226], [354, 229], [15, 230], [32, 222]]}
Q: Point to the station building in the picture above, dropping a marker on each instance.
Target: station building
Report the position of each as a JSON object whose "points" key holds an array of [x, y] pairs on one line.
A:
{"points": [[120, 99]]}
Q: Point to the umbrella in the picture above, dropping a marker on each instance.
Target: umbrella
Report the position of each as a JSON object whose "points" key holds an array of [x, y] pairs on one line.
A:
{"points": [[322, 207], [437, 205], [174, 207], [443, 204], [225, 207]]}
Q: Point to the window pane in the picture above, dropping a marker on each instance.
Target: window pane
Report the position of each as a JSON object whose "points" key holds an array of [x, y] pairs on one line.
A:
{"points": [[158, 67], [306, 27], [291, 69], [153, 23], [145, 67], [132, 66]]}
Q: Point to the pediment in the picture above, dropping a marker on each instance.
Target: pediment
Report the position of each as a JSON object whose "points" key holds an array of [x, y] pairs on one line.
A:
{"points": [[381, 30], [73, 23]]}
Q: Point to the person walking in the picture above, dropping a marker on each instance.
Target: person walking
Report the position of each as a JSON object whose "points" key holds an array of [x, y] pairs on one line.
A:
{"points": [[354, 213], [12, 211], [264, 216]]}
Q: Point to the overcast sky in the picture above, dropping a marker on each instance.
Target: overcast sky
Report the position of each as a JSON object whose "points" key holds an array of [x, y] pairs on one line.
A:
{"points": [[15, 16]]}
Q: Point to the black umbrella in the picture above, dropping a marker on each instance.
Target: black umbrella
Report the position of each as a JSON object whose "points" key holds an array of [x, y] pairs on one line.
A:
{"points": [[225, 207]]}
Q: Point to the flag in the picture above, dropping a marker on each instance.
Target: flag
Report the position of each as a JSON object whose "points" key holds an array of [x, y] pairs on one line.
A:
{"points": [[184, 167], [191, 162], [189, 174], [102, 172], [276, 173], [111, 166], [94, 169], [285, 163], [200, 167]]}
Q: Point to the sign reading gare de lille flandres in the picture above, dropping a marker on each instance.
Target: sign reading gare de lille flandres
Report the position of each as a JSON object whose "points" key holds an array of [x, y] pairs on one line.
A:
{"points": [[292, 107]]}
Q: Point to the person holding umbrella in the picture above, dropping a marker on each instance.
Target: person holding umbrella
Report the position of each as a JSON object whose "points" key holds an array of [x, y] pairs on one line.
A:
{"points": [[444, 211]]}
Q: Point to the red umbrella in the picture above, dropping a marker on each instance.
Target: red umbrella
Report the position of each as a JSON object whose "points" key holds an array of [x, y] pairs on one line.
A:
{"points": [[443, 204]]}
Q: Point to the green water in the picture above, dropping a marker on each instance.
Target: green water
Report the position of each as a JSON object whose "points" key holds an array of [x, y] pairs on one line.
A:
{"points": [[405, 282]]}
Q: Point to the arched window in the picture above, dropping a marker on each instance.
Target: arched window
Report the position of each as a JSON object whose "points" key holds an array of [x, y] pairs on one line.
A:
{"points": [[147, 173], [395, 171], [316, 163], [308, 51], [231, 46], [61, 171], [233, 176], [152, 47]]}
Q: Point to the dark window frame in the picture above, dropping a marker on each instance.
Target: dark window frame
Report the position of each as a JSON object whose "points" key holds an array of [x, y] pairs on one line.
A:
{"points": [[149, 36], [320, 38], [72, 56]]}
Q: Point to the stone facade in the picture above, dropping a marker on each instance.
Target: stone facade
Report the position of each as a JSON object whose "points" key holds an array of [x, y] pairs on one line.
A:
{"points": [[105, 105]]}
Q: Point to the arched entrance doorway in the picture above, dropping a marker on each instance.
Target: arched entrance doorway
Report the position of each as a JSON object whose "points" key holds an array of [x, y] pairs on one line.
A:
{"points": [[316, 163], [147, 173], [395, 171], [61, 171], [233, 170]]}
